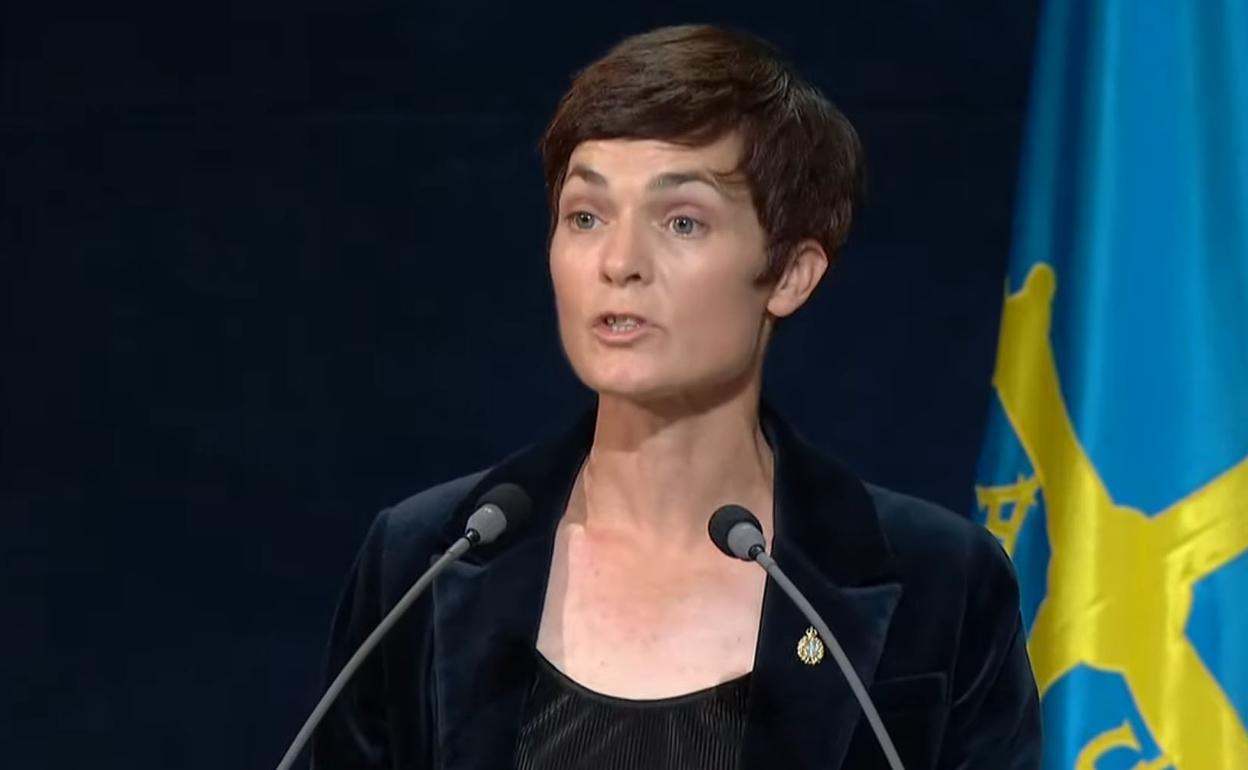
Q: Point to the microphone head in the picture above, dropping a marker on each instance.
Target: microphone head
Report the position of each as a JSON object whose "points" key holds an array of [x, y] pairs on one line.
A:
{"points": [[504, 507], [736, 532]]}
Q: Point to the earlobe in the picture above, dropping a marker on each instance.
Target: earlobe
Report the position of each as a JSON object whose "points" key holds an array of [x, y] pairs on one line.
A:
{"points": [[799, 279]]}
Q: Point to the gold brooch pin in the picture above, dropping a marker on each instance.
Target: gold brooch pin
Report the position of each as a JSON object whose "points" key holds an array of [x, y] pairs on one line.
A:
{"points": [[810, 648]]}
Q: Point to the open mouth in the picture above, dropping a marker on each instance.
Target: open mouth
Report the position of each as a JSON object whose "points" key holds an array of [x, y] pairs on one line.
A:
{"points": [[620, 323], [620, 327]]}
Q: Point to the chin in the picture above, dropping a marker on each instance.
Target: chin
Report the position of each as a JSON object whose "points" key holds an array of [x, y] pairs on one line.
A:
{"points": [[632, 382], [630, 387], [656, 390], [647, 379]]}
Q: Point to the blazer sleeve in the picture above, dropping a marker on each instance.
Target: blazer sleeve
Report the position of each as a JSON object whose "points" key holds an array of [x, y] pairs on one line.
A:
{"points": [[994, 721], [354, 733]]}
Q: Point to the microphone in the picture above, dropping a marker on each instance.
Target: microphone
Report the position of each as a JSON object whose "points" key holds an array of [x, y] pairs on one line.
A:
{"points": [[737, 533], [505, 507]]}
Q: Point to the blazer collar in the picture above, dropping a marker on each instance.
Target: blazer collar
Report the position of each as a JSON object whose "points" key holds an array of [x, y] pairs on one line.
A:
{"points": [[487, 608]]}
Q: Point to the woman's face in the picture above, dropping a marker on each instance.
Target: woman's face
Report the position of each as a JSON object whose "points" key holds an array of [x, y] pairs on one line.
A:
{"points": [[655, 264]]}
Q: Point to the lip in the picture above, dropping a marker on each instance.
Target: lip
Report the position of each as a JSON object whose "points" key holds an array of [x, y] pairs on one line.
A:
{"points": [[605, 333]]}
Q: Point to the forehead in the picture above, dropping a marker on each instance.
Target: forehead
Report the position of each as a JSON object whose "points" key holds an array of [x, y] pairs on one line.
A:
{"points": [[636, 161]]}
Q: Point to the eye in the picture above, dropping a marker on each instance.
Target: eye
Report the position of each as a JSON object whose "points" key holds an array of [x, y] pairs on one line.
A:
{"points": [[685, 226], [582, 220]]}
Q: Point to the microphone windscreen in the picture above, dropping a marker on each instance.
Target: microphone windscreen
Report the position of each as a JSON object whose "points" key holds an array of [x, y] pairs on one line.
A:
{"points": [[721, 525], [513, 501]]}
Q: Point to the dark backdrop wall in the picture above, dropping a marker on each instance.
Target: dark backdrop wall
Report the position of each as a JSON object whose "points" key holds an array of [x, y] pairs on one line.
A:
{"points": [[267, 267]]}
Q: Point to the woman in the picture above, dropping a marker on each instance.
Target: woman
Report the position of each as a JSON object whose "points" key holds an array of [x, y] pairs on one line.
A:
{"points": [[699, 190]]}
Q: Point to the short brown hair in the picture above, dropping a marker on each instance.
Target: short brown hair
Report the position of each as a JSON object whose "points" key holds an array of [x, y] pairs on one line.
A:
{"points": [[692, 84]]}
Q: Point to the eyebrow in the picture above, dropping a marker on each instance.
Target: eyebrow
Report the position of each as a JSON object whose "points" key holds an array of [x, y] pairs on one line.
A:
{"points": [[663, 181]]}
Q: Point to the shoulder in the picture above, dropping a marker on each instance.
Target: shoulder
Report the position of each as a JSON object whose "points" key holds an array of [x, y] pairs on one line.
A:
{"points": [[425, 515], [932, 544], [959, 614], [959, 608], [404, 536]]}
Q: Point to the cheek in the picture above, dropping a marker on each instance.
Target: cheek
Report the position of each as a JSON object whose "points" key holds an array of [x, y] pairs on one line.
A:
{"points": [[723, 321], [564, 280], [572, 294]]}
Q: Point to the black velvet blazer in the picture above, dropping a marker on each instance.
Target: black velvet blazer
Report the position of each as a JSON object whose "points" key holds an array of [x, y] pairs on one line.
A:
{"points": [[923, 601]]}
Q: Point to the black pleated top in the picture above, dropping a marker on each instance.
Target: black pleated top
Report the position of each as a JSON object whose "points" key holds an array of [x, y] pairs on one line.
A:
{"points": [[569, 727]]}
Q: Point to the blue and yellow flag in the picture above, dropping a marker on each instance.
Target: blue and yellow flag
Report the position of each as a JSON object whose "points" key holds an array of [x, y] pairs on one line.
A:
{"points": [[1115, 468]]}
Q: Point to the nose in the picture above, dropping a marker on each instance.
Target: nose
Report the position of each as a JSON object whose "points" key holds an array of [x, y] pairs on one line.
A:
{"points": [[625, 257]]}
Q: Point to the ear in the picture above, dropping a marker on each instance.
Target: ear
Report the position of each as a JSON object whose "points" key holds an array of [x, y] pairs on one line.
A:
{"points": [[799, 279]]}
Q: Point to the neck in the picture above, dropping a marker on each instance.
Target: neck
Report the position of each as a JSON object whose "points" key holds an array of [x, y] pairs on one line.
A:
{"points": [[655, 473]]}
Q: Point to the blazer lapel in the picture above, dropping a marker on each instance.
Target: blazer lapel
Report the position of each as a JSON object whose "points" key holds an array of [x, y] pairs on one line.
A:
{"points": [[828, 541], [487, 608]]}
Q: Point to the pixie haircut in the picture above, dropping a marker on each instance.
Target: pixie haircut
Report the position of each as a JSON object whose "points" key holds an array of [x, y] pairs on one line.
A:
{"points": [[801, 160]]}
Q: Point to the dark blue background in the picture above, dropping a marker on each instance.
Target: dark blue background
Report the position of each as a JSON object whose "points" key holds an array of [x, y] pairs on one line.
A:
{"points": [[269, 266]]}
